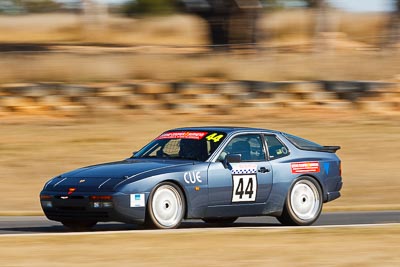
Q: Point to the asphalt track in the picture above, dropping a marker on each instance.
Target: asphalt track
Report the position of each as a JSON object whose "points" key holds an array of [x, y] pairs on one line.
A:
{"points": [[39, 224]]}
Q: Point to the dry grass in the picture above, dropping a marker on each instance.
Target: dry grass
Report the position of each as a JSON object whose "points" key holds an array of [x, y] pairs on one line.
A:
{"points": [[34, 151], [362, 27], [52, 28], [376, 246], [300, 25], [263, 67], [38, 28], [179, 29], [287, 24], [287, 30]]}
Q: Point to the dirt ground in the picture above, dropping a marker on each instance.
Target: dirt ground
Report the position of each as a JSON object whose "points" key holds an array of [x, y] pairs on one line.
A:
{"points": [[374, 246], [35, 150]]}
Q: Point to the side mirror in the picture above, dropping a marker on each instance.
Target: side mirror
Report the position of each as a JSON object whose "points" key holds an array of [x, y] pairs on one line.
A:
{"points": [[232, 158]]}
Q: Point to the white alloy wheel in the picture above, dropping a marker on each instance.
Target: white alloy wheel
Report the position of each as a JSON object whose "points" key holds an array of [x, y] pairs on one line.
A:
{"points": [[166, 206], [305, 200], [303, 203]]}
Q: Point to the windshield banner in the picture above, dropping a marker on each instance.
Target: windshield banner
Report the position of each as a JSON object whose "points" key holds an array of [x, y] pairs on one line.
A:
{"points": [[182, 135]]}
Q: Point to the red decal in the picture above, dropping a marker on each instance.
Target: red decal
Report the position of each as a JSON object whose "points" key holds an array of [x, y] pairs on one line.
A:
{"points": [[304, 167], [182, 135]]}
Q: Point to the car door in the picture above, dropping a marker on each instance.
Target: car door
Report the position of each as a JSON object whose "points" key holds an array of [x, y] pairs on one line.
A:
{"points": [[240, 188]]}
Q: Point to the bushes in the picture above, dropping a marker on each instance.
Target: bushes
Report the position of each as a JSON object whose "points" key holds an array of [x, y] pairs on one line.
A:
{"points": [[144, 7], [41, 6], [28, 6]]}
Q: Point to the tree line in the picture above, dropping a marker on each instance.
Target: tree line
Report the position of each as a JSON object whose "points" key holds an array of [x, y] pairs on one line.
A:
{"points": [[230, 22]]}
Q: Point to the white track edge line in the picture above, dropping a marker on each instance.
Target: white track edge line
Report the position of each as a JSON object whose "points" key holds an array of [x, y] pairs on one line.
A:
{"points": [[199, 230]]}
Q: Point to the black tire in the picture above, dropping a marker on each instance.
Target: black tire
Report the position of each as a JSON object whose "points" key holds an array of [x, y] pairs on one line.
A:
{"points": [[166, 206], [79, 225], [303, 203], [228, 220]]}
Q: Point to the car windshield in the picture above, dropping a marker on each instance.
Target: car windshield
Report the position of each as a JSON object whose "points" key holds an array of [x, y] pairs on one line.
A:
{"points": [[187, 145]]}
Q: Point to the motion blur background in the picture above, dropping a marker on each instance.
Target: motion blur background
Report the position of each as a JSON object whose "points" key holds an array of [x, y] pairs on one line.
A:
{"points": [[90, 81], [83, 82]]}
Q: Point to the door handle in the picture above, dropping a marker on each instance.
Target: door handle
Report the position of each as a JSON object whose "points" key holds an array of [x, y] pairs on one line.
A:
{"points": [[263, 170]]}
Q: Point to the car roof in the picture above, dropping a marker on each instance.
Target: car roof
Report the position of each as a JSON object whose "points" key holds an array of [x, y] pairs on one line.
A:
{"points": [[227, 129]]}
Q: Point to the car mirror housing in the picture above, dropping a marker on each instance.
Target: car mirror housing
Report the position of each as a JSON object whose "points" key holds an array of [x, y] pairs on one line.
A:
{"points": [[232, 158]]}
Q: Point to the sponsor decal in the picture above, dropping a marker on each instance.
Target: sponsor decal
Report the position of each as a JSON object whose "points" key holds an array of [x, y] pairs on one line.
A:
{"points": [[244, 168], [282, 150], [305, 167], [137, 200], [192, 177], [182, 135]]}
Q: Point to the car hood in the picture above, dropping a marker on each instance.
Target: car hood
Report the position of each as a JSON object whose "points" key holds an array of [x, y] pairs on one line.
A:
{"points": [[104, 177]]}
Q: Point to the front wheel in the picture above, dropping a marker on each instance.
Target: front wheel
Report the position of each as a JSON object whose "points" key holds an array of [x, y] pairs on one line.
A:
{"points": [[166, 206], [303, 203]]}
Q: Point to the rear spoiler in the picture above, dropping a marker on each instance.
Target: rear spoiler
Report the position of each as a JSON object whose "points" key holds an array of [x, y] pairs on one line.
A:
{"points": [[330, 149]]}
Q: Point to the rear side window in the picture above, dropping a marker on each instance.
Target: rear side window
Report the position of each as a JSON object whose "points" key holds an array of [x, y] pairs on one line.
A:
{"points": [[276, 148], [301, 142]]}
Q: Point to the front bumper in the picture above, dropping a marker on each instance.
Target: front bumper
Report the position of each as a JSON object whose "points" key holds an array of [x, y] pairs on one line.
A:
{"points": [[79, 207]]}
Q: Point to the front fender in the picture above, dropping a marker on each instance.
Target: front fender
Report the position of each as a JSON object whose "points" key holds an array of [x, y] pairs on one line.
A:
{"points": [[193, 182]]}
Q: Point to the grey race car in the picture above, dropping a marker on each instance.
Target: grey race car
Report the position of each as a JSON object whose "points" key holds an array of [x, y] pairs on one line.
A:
{"points": [[216, 174]]}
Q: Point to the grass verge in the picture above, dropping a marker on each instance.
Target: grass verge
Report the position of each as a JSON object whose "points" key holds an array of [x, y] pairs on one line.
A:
{"points": [[364, 246]]}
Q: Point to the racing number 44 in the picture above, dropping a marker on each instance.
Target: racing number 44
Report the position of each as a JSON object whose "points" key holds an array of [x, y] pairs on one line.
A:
{"points": [[214, 137], [249, 189], [244, 188]]}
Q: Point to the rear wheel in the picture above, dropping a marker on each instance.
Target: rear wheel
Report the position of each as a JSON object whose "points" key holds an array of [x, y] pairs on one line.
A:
{"points": [[166, 206], [79, 225], [303, 203], [228, 220]]}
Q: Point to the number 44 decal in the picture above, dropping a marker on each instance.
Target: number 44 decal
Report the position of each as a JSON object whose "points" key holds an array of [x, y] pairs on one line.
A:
{"points": [[244, 188]]}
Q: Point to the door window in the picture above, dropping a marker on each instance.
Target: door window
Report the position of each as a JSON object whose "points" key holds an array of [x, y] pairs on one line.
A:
{"points": [[249, 146]]}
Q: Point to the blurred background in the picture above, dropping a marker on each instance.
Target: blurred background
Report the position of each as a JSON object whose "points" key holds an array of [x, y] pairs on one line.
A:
{"points": [[175, 40], [89, 81]]}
